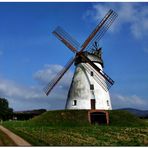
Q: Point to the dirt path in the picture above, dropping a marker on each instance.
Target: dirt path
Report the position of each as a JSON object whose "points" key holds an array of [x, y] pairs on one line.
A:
{"points": [[1, 143], [5, 140], [15, 138]]}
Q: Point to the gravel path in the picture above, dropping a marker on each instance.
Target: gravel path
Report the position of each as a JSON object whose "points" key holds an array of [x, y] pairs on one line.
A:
{"points": [[17, 140]]}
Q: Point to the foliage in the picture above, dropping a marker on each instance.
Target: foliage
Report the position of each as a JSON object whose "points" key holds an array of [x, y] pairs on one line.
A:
{"points": [[5, 112]]}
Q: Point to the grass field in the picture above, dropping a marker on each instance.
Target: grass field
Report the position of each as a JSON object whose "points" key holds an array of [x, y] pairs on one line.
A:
{"points": [[71, 128]]}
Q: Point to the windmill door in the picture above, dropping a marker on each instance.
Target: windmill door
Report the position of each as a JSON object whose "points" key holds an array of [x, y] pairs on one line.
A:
{"points": [[93, 104]]}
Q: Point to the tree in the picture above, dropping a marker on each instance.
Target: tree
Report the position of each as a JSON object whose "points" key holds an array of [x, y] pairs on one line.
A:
{"points": [[5, 112]]}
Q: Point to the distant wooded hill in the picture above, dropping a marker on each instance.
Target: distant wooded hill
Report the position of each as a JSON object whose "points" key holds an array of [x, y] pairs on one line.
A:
{"points": [[28, 114], [139, 113]]}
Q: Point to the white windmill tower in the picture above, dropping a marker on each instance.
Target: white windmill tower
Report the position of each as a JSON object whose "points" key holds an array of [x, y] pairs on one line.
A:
{"points": [[90, 85]]}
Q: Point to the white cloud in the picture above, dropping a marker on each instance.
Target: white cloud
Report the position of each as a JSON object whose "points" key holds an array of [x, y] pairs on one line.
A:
{"points": [[133, 101], [46, 74], [19, 96], [134, 15], [22, 97], [11, 89]]}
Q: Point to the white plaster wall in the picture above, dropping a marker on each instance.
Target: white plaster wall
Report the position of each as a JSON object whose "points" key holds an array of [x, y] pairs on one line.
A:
{"points": [[80, 91]]}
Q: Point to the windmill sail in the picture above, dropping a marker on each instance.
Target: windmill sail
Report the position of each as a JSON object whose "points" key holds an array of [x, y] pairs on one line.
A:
{"points": [[98, 77], [69, 41], [98, 69], [91, 61], [100, 29], [57, 78]]}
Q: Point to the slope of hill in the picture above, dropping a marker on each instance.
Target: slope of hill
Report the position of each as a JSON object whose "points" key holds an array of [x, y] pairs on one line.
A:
{"points": [[62, 118], [80, 118]]}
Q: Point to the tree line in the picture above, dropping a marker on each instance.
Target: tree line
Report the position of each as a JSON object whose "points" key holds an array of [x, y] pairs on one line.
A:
{"points": [[6, 112]]}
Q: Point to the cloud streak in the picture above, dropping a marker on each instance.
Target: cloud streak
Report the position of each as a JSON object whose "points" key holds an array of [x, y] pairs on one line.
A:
{"points": [[133, 101]]}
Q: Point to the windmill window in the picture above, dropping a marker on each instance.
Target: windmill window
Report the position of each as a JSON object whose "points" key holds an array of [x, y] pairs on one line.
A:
{"points": [[91, 87], [74, 102], [91, 73], [107, 103]]}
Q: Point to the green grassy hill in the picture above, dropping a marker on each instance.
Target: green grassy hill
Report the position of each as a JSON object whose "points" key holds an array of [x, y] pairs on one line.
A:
{"points": [[124, 118], [71, 128], [62, 118], [80, 118]]}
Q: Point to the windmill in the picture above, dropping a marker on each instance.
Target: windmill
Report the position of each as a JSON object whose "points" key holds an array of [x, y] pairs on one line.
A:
{"points": [[90, 84]]}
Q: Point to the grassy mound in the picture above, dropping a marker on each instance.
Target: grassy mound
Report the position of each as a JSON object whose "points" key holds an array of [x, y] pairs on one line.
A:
{"points": [[124, 118], [62, 118], [80, 118]]}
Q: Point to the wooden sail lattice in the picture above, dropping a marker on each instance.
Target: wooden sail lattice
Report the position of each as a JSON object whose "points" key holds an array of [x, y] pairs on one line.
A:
{"points": [[75, 47]]}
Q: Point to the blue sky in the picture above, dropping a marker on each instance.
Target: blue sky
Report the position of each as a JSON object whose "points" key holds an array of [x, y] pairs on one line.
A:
{"points": [[30, 55]]}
